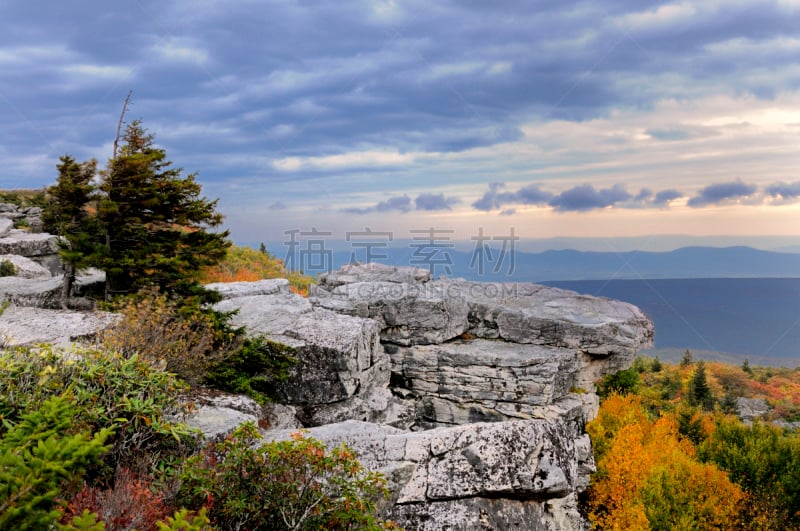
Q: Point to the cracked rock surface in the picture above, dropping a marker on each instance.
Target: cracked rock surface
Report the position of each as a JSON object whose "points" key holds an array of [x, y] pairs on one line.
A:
{"points": [[471, 397]]}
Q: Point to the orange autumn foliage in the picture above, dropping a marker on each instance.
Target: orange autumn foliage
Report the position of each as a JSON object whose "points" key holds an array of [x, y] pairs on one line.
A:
{"points": [[243, 264], [648, 476]]}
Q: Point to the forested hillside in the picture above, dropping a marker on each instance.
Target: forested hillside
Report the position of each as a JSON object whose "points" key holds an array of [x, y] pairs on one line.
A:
{"points": [[672, 454]]}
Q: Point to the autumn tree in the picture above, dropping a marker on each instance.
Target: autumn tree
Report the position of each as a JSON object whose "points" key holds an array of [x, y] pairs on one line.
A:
{"points": [[67, 214], [158, 227]]}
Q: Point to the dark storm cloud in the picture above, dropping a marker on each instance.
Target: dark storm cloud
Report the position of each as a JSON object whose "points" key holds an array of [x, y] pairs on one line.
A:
{"points": [[721, 193]]}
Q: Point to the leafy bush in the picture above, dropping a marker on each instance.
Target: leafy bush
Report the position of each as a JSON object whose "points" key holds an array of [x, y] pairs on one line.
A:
{"points": [[256, 369], [129, 504], [40, 453], [23, 198], [766, 462], [7, 268], [295, 484], [648, 477], [108, 390], [183, 339], [622, 382], [183, 520]]}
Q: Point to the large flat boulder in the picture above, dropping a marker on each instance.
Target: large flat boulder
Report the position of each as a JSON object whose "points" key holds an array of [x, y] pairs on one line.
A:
{"points": [[39, 246], [45, 292], [32, 292], [414, 311], [25, 267], [507, 475], [30, 326]]}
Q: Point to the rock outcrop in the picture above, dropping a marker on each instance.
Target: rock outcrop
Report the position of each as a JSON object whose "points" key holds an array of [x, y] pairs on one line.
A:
{"points": [[45, 291], [476, 394], [25, 267], [504, 475], [40, 247], [342, 372], [29, 326], [471, 397]]}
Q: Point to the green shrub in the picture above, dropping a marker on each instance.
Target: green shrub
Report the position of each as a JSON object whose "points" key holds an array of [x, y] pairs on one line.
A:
{"points": [[765, 461], [183, 520], [622, 382], [256, 369], [7, 268], [108, 390], [295, 484], [39, 454]]}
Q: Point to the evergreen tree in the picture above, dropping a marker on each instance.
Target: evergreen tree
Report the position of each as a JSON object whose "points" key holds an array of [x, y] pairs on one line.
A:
{"points": [[699, 391], [687, 359], [157, 225], [67, 215]]}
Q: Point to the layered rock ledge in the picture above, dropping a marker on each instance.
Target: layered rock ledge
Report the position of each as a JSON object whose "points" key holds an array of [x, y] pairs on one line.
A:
{"points": [[471, 397]]}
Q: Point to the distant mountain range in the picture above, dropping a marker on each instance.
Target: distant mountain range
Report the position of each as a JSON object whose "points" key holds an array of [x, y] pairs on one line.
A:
{"points": [[686, 262]]}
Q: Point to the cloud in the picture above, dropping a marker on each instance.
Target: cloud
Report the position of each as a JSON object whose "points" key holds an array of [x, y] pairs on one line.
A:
{"points": [[785, 192], [435, 202], [494, 198], [277, 205], [586, 197], [508, 212], [665, 196], [400, 203], [722, 193]]}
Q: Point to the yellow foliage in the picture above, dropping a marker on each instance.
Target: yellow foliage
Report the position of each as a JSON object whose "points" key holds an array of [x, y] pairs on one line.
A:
{"points": [[648, 476]]}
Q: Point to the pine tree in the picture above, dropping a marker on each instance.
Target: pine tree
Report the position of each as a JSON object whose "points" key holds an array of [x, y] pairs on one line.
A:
{"points": [[687, 360], [67, 215], [699, 391], [157, 225]]}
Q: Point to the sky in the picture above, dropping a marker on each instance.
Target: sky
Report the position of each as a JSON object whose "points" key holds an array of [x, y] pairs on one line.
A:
{"points": [[549, 119]]}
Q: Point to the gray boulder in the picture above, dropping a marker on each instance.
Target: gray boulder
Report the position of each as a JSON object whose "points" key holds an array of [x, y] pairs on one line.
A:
{"points": [[32, 292], [340, 362], [45, 292], [466, 476], [750, 409], [25, 267], [480, 380], [30, 326], [5, 226], [40, 247], [431, 312]]}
